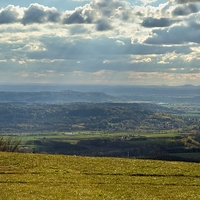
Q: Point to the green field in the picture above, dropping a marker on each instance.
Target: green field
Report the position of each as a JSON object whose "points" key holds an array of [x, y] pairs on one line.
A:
{"points": [[32, 176], [187, 110], [163, 145], [189, 155], [77, 136]]}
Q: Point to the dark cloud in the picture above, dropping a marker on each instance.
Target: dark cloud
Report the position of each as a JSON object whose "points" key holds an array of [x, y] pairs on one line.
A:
{"points": [[39, 14], [107, 8], [185, 10], [143, 49], [187, 1], [74, 18], [175, 35], [194, 26], [152, 22], [103, 25], [8, 15], [53, 16], [112, 9], [77, 17]]}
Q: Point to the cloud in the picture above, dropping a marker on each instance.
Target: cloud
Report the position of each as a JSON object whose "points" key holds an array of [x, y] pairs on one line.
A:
{"points": [[97, 11], [74, 18], [174, 35], [152, 22], [9, 15], [81, 0], [187, 1], [36, 13], [103, 38], [78, 30], [194, 25], [145, 2], [103, 25], [100, 13], [119, 42], [95, 50], [79, 16], [108, 8], [185, 10]]}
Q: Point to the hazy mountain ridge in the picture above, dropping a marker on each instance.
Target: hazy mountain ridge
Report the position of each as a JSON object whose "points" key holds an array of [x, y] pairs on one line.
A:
{"points": [[99, 93], [67, 96]]}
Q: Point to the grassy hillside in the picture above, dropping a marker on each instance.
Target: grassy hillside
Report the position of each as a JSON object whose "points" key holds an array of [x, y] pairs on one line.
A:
{"points": [[32, 176]]}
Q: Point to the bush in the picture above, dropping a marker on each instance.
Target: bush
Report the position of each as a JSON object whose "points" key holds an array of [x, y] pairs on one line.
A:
{"points": [[9, 144]]}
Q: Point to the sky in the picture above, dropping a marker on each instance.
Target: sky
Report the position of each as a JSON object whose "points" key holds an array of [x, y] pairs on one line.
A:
{"points": [[114, 42]]}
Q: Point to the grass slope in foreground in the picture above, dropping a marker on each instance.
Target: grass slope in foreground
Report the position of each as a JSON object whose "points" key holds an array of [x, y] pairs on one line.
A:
{"points": [[32, 176]]}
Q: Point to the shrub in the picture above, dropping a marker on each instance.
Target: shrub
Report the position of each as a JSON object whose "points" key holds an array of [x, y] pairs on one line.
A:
{"points": [[9, 144]]}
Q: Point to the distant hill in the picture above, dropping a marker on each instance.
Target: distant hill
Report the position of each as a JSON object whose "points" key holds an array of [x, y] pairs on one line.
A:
{"points": [[89, 116], [67, 96], [99, 93]]}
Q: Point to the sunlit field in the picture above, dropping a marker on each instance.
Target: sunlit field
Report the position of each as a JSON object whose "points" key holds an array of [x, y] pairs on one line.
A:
{"points": [[32, 176]]}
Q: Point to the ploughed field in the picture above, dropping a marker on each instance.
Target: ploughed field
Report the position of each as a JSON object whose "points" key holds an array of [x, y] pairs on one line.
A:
{"points": [[45, 176]]}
